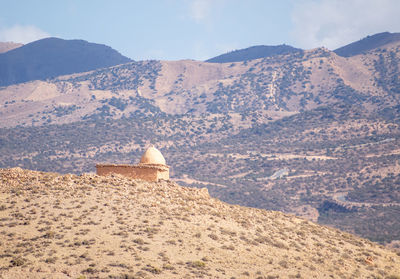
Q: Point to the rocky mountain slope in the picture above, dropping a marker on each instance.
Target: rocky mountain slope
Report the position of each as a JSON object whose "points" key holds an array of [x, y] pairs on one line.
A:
{"points": [[274, 87], [111, 227], [310, 133], [51, 57]]}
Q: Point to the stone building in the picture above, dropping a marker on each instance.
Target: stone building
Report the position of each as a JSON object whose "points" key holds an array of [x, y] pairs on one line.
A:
{"points": [[152, 167]]}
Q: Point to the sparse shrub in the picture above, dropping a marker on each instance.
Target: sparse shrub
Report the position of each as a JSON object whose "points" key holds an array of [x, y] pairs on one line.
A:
{"points": [[19, 261], [139, 241], [49, 234], [51, 260], [152, 269], [84, 255], [197, 264], [230, 247], [283, 264], [168, 267], [90, 270], [213, 236], [279, 244], [171, 242]]}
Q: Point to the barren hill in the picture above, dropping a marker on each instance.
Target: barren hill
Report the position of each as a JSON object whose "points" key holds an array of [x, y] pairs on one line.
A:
{"points": [[66, 226]]}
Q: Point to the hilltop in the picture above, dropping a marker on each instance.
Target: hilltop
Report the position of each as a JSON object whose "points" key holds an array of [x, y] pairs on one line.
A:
{"points": [[51, 57], [113, 227]]}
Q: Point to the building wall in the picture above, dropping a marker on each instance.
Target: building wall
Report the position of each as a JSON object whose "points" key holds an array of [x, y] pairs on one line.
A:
{"points": [[148, 174], [163, 175]]}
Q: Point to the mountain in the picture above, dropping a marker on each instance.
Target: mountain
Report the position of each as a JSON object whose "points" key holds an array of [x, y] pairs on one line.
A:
{"points": [[253, 52], [51, 57], [308, 133], [112, 227], [6, 46], [368, 43]]}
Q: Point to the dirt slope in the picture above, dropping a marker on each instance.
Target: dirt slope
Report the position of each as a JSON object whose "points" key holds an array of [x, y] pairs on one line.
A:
{"points": [[69, 226]]}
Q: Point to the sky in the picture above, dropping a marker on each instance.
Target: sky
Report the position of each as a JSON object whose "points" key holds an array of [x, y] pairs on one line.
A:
{"points": [[197, 29]]}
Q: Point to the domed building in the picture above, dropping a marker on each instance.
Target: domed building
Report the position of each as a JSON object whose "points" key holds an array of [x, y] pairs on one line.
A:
{"points": [[152, 167], [152, 156]]}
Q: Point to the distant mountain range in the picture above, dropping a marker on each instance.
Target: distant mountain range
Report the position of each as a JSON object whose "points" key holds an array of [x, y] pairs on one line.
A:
{"points": [[253, 52], [53, 57], [368, 43]]}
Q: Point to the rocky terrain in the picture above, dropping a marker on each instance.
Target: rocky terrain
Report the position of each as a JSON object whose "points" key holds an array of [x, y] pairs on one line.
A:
{"points": [[311, 132], [87, 226]]}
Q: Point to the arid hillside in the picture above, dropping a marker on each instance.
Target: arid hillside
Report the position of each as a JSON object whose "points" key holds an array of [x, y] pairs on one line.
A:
{"points": [[309, 133], [68, 226], [262, 89]]}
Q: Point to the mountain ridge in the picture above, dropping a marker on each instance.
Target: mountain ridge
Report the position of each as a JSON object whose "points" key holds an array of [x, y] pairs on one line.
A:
{"points": [[368, 43], [253, 52], [51, 57]]}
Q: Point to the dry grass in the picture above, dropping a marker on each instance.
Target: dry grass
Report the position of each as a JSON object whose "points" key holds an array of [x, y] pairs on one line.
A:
{"points": [[54, 226]]}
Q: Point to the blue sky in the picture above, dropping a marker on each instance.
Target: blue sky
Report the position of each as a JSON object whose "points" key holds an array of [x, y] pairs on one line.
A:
{"points": [[197, 29]]}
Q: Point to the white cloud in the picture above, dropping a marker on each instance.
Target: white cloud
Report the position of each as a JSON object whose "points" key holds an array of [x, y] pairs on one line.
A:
{"points": [[335, 23], [21, 34], [202, 11], [199, 9]]}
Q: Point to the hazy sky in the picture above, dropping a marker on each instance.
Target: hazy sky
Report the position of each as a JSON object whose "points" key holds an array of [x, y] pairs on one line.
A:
{"points": [[197, 29]]}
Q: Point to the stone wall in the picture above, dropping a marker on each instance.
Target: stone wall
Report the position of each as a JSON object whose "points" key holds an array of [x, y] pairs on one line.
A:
{"points": [[163, 175], [136, 172]]}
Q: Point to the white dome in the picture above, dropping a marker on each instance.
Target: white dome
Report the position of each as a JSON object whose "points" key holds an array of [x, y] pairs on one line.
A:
{"points": [[152, 156]]}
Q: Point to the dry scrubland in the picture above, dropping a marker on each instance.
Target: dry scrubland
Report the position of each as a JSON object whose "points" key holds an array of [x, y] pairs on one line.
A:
{"points": [[68, 226], [231, 127]]}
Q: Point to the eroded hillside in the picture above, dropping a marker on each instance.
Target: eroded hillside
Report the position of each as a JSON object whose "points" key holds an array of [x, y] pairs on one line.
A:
{"points": [[112, 227]]}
